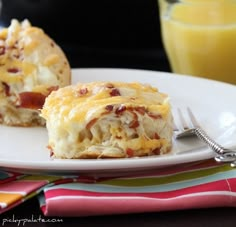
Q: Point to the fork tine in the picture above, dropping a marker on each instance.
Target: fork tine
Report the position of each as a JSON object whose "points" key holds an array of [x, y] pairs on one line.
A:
{"points": [[182, 121], [193, 118], [186, 129], [175, 127]]}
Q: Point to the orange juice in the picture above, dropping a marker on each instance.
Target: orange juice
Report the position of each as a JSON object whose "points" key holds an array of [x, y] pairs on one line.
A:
{"points": [[199, 37]]}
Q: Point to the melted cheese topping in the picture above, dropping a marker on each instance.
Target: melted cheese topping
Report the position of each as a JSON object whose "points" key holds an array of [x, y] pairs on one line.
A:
{"points": [[26, 51], [70, 104]]}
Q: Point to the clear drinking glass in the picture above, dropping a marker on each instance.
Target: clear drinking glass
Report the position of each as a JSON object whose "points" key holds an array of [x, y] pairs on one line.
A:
{"points": [[199, 37]]}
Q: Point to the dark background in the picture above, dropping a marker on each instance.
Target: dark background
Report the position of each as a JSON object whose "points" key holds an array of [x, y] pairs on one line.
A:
{"points": [[92, 33]]}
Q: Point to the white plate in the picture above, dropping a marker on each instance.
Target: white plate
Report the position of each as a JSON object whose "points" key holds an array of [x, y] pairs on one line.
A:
{"points": [[24, 149]]}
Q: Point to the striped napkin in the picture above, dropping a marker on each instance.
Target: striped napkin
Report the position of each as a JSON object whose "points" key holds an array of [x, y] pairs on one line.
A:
{"points": [[193, 185]]}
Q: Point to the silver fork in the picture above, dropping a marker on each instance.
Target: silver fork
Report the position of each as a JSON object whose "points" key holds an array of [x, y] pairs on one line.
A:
{"points": [[194, 129]]}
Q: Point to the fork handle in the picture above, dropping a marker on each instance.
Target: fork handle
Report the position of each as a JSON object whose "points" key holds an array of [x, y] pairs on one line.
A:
{"points": [[201, 134], [224, 155]]}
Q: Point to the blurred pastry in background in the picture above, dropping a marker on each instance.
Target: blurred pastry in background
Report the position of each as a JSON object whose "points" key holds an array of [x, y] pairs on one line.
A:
{"points": [[32, 65], [108, 120]]}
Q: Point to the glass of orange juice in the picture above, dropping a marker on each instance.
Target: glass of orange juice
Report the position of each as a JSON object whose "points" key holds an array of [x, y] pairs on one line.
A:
{"points": [[199, 37]]}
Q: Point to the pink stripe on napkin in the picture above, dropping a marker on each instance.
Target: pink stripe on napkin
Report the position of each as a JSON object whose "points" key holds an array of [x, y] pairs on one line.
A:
{"points": [[209, 185], [108, 205]]}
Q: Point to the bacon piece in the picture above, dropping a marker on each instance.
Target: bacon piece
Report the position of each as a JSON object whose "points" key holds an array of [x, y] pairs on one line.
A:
{"points": [[157, 151], [13, 70], [156, 136], [109, 108], [91, 123], [154, 116], [134, 124], [115, 92], [140, 109], [32, 100], [83, 91], [120, 109], [6, 88], [17, 56], [130, 152], [50, 150], [2, 50]]}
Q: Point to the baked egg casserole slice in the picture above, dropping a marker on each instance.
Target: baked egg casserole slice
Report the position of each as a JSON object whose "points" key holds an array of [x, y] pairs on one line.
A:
{"points": [[32, 65], [108, 120]]}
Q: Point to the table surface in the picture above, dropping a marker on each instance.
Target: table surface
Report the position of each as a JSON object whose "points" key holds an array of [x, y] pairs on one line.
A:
{"points": [[217, 217]]}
